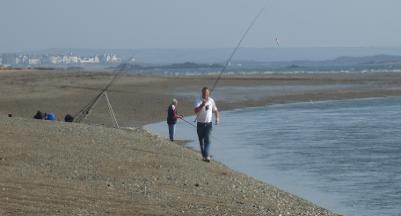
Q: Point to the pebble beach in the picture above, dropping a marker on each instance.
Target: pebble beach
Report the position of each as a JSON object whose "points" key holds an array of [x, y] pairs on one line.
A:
{"points": [[58, 168]]}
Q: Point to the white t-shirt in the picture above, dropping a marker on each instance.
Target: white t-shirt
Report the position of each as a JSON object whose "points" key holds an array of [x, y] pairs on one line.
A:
{"points": [[206, 114]]}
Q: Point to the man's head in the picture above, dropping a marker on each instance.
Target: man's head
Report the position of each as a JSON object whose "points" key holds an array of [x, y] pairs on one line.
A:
{"points": [[174, 102], [205, 93]]}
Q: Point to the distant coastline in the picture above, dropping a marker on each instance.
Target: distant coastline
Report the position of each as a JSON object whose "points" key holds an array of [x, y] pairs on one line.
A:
{"points": [[187, 61]]}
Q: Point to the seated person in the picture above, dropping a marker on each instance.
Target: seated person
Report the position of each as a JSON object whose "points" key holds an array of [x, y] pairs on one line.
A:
{"points": [[39, 115], [68, 118], [50, 116]]}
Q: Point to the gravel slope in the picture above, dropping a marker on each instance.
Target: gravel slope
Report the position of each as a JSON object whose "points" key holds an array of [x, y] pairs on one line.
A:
{"points": [[55, 168]]}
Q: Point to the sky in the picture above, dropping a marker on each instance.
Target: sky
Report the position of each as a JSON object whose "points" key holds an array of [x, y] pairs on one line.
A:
{"points": [[28, 25]]}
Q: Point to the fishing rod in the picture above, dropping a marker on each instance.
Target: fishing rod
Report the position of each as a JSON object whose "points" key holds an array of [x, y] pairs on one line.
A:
{"points": [[235, 49], [194, 126], [84, 112]]}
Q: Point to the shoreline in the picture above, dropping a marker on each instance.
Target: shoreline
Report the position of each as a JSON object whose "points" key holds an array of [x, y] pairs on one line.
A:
{"points": [[115, 166], [284, 102], [192, 144]]}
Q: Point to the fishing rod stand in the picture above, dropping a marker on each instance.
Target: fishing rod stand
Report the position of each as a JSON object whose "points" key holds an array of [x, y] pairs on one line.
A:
{"points": [[109, 107], [111, 111]]}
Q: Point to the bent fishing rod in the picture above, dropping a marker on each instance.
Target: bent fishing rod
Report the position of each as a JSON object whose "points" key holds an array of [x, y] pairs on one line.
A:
{"points": [[232, 55], [236, 49], [84, 112]]}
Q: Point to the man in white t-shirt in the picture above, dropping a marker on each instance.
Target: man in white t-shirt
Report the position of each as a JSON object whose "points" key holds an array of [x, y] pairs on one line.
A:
{"points": [[204, 109]]}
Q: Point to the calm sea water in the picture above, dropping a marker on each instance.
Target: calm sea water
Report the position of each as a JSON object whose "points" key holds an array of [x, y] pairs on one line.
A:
{"points": [[341, 155]]}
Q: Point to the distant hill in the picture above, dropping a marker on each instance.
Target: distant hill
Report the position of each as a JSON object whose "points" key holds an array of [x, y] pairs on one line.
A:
{"points": [[368, 60], [340, 63], [385, 62], [347, 61], [177, 66]]}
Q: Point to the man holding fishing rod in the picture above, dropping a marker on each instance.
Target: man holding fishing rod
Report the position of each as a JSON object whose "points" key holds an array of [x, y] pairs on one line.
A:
{"points": [[204, 109], [172, 117]]}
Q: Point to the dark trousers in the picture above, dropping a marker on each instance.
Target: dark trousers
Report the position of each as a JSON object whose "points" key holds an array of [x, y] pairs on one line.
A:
{"points": [[171, 131], [204, 130]]}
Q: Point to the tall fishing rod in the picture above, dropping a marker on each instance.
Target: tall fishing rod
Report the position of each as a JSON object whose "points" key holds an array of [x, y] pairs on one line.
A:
{"points": [[84, 112], [235, 49]]}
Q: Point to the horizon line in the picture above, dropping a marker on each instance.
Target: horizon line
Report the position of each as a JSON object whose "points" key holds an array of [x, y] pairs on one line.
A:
{"points": [[209, 48]]}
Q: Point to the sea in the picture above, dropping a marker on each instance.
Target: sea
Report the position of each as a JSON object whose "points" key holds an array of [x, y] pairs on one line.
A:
{"points": [[342, 155]]}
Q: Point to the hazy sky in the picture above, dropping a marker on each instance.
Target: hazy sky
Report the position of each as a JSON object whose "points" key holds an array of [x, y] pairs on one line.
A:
{"points": [[39, 24]]}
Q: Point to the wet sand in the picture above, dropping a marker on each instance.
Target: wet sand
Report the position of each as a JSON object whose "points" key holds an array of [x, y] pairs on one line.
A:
{"points": [[56, 168], [139, 100]]}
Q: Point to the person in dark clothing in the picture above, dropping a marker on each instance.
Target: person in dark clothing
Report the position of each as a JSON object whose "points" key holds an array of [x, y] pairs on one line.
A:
{"points": [[68, 118], [172, 117], [39, 115]]}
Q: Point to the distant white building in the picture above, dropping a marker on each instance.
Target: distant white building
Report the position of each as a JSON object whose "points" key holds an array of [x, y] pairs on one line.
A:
{"points": [[55, 60], [18, 60], [25, 59], [90, 60], [111, 59], [34, 61], [22, 59], [108, 58], [70, 59], [115, 59]]}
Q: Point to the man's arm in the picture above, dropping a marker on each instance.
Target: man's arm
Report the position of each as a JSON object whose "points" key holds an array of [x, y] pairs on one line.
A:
{"points": [[217, 115], [199, 108], [176, 115]]}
